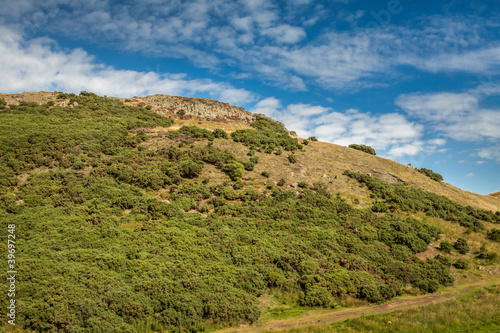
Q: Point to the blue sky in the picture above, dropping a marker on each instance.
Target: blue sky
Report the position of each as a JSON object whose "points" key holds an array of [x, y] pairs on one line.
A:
{"points": [[417, 80]]}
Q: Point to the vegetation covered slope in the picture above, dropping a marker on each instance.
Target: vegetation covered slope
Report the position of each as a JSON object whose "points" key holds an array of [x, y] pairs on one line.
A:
{"points": [[121, 227]]}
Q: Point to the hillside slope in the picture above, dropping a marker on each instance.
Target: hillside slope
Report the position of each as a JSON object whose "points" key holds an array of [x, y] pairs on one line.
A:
{"points": [[123, 220], [323, 161]]}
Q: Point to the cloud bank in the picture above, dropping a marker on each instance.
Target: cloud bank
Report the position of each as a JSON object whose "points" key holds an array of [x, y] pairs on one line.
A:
{"points": [[39, 64]]}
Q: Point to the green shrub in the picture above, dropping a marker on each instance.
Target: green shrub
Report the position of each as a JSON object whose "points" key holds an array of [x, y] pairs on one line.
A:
{"points": [[190, 169], [303, 185], [173, 134], [461, 246], [267, 135], [493, 234], [445, 247], [265, 174], [460, 264], [281, 182], [292, 158], [254, 159], [371, 293], [197, 132], [363, 148], [431, 174], [234, 170], [238, 185], [316, 296], [220, 133], [305, 142], [248, 166], [380, 207]]}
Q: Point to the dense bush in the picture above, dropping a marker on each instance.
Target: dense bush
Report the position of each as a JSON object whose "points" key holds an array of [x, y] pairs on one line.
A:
{"points": [[197, 132], [446, 247], [234, 170], [292, 158], [267, 135], [220, 133], [302, 184], [461, 246], [493, 234], [460, 264], [363, 148], [431, 174], [401, 197]]}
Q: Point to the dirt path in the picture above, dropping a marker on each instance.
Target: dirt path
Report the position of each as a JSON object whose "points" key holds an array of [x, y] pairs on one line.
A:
{"points": [[323, 317]]}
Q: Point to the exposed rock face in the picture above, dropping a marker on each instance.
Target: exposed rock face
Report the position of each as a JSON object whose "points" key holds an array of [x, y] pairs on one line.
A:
{"points": [[166, 105], [197, 107]]}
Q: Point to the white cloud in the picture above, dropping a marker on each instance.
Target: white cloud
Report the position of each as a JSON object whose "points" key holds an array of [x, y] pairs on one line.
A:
{"points": [[391, 132], [40, 65], [457, 115], [437, 106], [437, 142], [407, 149], [470, 174], [269, 107], [475, 61], [285, 34], [491, 153], [306, 109]]}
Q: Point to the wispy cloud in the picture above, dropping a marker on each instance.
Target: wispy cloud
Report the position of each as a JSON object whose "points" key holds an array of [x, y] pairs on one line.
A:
{"points": [[492, 153], [457, 115], [271, 39]]}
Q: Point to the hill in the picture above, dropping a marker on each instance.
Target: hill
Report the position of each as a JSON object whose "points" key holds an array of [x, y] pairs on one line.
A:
{"points": [[130, 215], [495, 195]]}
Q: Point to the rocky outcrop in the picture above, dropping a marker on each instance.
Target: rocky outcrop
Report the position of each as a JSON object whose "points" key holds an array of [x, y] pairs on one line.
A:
{"points": [[206, 108], [166, 105]]}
